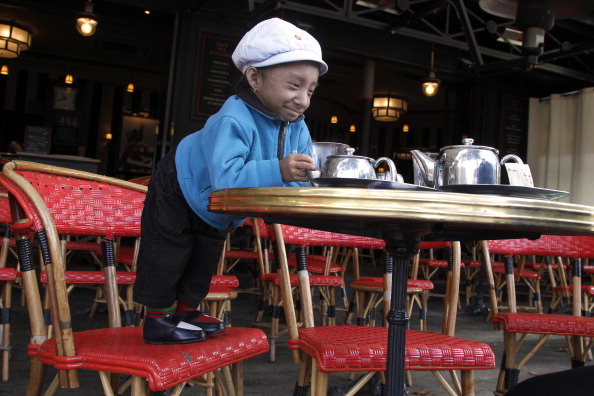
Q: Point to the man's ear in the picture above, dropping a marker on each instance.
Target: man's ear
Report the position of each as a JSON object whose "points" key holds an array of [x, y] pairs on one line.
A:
{"points": [[253, 77]]}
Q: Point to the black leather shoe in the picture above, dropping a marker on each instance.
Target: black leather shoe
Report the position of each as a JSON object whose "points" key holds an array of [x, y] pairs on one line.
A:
{"points": [[206, 322], [169, 330]]}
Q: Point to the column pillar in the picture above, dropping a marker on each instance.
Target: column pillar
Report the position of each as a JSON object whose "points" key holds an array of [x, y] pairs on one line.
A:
{"points": [[366, 104]]}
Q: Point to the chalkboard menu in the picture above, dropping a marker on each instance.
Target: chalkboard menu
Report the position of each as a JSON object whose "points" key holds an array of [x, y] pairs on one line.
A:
{"points": [[216, 74], [37, 139]]}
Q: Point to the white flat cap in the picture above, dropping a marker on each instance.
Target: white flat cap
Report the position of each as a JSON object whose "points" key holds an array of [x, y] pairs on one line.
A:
{"points": [[275, 41]]}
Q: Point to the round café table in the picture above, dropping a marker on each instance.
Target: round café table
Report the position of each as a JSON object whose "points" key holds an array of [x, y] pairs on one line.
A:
{"points": [[402, 218]]}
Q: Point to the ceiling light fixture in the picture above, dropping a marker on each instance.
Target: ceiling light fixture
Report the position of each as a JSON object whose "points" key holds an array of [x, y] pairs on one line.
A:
{"points": [[13, 40], [388, 108], [86, 22], [431, 84]]}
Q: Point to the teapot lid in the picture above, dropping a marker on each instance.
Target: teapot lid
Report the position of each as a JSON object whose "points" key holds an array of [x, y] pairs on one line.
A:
{"points": [[349, 156], [467, 143]]}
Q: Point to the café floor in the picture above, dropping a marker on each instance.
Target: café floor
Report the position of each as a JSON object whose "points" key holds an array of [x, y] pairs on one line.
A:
{"points": [[264, 378]]}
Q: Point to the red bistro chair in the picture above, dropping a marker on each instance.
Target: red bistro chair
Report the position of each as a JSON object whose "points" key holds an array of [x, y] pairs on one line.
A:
{"points": [[331, 349], [573, 327], [86, 203]]}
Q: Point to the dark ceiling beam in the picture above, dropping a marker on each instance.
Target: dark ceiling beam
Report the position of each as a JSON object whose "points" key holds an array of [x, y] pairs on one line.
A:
{"points": [[419, 14], [477, 52], [473, 46]]}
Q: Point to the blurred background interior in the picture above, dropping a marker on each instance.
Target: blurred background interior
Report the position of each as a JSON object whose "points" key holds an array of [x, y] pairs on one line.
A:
{"points": [[148, 73]]}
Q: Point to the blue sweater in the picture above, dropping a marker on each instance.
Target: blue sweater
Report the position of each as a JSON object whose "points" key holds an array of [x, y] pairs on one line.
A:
{"points": [[236, 148]]}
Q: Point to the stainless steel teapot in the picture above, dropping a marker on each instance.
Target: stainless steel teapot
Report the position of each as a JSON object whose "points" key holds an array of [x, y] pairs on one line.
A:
{"points": [[319, 151], [357, 167], [458, 164]]}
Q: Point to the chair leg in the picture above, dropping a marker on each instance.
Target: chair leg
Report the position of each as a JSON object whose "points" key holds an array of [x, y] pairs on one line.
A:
{"points": [[237, 377], [303, 381], [139, 387], [511, 373], [319, 381], [275, 323], [467, 382], [5, 328], [106, 382]]}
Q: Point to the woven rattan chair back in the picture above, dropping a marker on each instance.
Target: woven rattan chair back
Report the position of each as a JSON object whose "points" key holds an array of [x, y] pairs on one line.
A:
{"points": [[84, 204]]}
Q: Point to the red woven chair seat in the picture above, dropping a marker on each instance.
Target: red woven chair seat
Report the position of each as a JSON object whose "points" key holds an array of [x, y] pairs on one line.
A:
{"points": [[82, 245], [526, 273], [314, 280], [538, 266], [420, 283], [316, 263], [585, 289], [122, 350], [362, 348], [378, 283], [535, 323], [243, 254], [92, 277], [8, 274], [470, 263], [218, 292], [434, 262], [225, 280], [589, 269]]}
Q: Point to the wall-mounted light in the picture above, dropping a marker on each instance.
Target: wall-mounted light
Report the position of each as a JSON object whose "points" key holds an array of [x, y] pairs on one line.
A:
{"points": [[13, 40], [130, 87], [431, 84], [352, 128], [87, 21], [405, 128], [334, 120], [4, 70], [68, 79], [388, 107], [108, 136]]}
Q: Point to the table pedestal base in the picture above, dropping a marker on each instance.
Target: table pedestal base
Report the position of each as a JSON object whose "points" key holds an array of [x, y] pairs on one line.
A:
{"points": [[402, 251]]}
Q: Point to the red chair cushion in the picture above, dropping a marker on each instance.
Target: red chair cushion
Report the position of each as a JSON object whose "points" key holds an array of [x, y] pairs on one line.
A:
{"points": [[362, 348], [93, 277], [218, 292], [225, 280], [534, 323], [316, 263], [8, 274], [123, 350], [314, 280], [378, 282], [434, 262], [526, 273]]}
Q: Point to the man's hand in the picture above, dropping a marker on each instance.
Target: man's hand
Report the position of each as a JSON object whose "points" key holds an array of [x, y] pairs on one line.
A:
{"points": [[293, 167]]}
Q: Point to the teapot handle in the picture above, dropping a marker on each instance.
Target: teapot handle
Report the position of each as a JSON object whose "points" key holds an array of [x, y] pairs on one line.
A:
{"points": [[511, 157], [391, 166]]}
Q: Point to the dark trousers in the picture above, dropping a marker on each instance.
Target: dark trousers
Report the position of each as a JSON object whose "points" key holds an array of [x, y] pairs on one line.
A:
{"points": [[179, 252]]}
